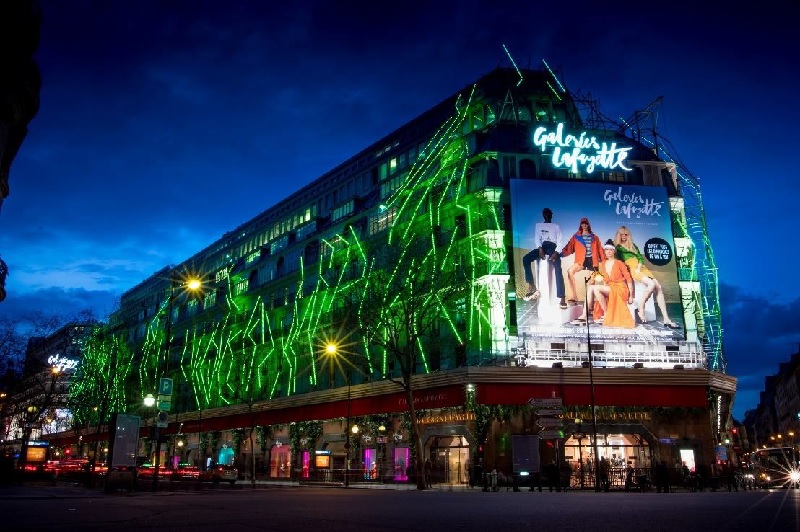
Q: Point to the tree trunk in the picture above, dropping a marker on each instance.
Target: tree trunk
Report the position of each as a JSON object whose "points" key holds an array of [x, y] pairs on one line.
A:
{"points": [[419, 467], [252, 458]]}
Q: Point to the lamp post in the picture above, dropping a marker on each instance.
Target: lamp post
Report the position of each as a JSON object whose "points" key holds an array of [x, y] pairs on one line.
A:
{"points": [[149, 402], [591, 385], [347, 435], [382, 450], [332, 351], [191, 284]]}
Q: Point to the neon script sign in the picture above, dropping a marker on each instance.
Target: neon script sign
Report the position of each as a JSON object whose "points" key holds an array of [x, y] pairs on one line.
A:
{"points": [[574, 152]]}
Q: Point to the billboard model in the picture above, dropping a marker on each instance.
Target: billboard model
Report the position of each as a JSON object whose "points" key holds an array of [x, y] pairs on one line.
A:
{"points": [[594, 256]]}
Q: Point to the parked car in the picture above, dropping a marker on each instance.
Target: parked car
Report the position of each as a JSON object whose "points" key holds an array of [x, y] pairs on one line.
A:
{"points": [[220, 473]]}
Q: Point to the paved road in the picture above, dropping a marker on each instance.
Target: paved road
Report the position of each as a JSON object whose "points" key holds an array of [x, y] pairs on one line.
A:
{"points": [[322, 509]]}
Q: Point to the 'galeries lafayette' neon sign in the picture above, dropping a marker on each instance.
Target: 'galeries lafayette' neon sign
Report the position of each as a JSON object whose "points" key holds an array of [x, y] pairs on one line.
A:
{"points": [[573, 152]]}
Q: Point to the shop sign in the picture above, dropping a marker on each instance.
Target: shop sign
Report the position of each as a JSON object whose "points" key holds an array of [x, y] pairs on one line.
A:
{"points": [[549, 422], [550, 434], [550, 412], [450, 417], [424, 399], [580, 152], [545, 402], [605, 415]]}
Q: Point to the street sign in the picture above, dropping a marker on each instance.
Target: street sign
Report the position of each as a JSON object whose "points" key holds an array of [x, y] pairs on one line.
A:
{"points": [[381, 439], [549, 412], [548, 422], [162, 420], [550, 434], [546, 402], [166, 406], [165, 386]]}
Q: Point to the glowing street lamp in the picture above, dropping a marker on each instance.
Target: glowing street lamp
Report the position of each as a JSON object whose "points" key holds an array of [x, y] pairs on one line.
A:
{"points": [[332, 351], [149, 400], [190, 284]]}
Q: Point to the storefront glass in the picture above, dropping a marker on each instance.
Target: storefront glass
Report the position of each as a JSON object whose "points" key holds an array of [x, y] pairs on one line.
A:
{"points": [[400, 464], [370, 464], [280, 462], [618, 450]]}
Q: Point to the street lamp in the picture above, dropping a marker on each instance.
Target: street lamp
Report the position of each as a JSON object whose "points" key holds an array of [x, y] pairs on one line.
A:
{"points": [[332, 351], [191, 284], [382, 450], [149, 402], [591, 385]]}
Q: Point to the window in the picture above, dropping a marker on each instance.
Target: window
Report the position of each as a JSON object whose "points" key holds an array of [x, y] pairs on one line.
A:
{"points": [[279, 244], [306, 230], [210, 300], [382, 220], [343, 210], [391, 185], [241, 287]]}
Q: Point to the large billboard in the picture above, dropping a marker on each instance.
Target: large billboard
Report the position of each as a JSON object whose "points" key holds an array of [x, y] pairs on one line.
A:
{"points": [[612, 242]]}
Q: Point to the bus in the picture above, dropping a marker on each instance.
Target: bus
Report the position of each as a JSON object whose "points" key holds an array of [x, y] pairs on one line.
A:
{"points": [[775, 467]]}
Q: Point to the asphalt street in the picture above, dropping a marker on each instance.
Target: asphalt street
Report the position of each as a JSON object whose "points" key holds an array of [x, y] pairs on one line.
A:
{"points": [[71, 507]]}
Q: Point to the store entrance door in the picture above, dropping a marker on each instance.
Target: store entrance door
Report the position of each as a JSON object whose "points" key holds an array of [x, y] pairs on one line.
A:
{"points": [[450, 461]]}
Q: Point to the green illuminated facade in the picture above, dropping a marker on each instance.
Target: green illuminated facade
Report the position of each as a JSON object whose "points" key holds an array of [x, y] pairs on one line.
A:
{"points": [[431, 201]]}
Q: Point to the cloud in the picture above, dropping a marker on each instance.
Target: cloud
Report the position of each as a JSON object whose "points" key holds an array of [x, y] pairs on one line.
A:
{"points": [[759, 333]]}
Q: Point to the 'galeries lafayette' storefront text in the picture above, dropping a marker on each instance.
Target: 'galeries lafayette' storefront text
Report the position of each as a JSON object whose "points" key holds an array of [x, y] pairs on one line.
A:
{"points": [[449, 417]]}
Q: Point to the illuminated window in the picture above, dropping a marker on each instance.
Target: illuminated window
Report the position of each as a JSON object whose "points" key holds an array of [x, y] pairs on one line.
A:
{"points": [[381, 221], [241, 287], [210, 300]]}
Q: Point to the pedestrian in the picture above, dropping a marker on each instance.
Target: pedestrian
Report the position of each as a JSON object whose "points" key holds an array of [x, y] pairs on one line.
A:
{"points": [[662, 477], [602, 472], [629, 472], [428, 473]]}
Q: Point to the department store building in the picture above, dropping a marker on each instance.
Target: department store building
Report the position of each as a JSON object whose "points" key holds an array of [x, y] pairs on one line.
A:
{"points": [[509, 378]]}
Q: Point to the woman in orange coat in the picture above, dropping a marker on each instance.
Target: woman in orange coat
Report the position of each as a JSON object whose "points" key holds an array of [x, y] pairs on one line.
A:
{"points": [[588, 253], [614, 296], [610, 291]]}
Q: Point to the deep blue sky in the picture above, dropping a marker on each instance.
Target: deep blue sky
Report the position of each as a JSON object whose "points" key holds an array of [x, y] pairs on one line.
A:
{"points": [[165, 124]]}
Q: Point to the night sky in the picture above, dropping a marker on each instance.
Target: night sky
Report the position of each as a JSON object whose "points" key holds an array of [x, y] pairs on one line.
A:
{"points": [[164, 124]]}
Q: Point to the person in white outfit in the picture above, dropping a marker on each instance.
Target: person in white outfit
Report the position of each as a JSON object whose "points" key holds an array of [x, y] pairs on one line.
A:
{"points": [[548, 241]]}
